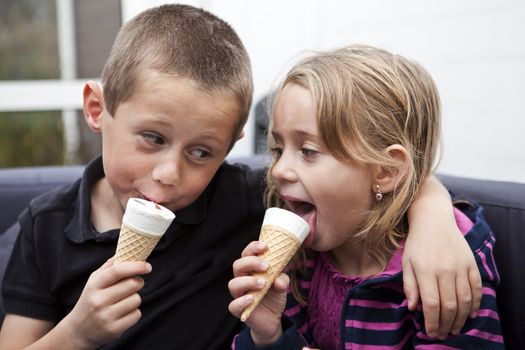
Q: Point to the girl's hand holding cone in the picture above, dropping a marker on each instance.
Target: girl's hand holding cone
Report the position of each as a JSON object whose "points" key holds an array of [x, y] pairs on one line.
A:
{"points": [[265, 320], [259, 286]]}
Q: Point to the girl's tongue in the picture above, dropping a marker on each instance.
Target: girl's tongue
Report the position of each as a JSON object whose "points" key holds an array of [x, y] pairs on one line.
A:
{"points": [[311, 218], [309, 213]]}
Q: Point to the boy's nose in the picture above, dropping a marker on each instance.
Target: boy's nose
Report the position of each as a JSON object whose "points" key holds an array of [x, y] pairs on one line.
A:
{"points": [[166, 173], [283, 170]]}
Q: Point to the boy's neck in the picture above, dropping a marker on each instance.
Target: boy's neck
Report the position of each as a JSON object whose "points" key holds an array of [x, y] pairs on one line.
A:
{"points": [[106, 210]]}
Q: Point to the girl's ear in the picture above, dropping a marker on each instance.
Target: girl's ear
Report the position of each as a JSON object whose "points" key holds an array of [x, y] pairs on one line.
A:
{"points": [[93, 105], [388, 178]]}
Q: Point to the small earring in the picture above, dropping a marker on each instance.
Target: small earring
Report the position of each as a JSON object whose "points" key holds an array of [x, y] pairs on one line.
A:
{"points": [[379, 195]]}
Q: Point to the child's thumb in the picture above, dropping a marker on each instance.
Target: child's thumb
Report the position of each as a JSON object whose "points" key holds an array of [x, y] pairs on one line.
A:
{"points": [[281, 282]]}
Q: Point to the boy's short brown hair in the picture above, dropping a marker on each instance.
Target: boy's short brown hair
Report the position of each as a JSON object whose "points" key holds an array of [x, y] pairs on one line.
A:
{"points": [[179, 40]]}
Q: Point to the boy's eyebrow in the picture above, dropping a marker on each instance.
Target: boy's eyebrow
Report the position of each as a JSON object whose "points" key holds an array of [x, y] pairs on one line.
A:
{"points": [[216, 140], [211, 136], [204, 136], [156, 120], [162, 122]]}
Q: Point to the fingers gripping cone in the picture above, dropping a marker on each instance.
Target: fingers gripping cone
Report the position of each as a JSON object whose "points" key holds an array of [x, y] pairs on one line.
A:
{"points": [[143, 224], [283, 232]]}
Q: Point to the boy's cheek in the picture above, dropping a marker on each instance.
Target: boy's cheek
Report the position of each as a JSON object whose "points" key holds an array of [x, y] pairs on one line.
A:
{"points": [[189, 191]]}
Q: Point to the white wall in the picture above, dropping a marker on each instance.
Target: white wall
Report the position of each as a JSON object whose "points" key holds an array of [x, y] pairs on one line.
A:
{"points": [[475, 49]]}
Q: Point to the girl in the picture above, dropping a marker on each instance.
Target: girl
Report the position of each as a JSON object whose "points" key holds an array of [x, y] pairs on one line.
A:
{"points": [[354, 133]]}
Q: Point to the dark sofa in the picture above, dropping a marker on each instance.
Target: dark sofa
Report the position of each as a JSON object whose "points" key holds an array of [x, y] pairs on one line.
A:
{"points": [[504, 203]]}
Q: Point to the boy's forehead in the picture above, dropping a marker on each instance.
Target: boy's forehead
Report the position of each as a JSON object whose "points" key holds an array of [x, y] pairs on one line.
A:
{"points": [[150, 79], [186, 95]]}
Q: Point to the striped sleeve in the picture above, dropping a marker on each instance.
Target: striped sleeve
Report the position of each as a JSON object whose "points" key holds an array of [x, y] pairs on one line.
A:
{"points": [[483, 331], [290, 340]]}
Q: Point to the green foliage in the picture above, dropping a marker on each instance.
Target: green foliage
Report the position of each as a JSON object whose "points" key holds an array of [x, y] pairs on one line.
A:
{"points": [[31, 138], [29, 50], [28, 40]]}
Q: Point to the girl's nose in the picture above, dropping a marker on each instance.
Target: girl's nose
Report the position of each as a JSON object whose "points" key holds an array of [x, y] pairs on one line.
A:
{"points": [[166, 173], [283, 170]]}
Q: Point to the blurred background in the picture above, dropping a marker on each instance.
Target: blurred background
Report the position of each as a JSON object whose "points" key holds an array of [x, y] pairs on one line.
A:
{"points": [[474, 49]]}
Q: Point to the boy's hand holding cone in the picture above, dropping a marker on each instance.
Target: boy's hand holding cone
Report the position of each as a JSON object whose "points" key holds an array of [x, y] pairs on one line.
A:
{"points": [[143, 224]]}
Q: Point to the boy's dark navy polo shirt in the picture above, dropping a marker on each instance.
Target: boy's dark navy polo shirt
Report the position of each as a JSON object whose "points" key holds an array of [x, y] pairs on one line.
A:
{"points": [[185, 298]]}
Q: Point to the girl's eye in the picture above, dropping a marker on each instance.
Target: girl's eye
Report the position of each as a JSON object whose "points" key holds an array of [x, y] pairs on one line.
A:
{"points": [[153, 138], [308, 153], [200, 153], [276, 152]]}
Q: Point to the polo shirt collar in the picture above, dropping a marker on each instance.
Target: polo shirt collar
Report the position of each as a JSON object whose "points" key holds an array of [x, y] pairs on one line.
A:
{"points": [[193, 213], [81, 229]]}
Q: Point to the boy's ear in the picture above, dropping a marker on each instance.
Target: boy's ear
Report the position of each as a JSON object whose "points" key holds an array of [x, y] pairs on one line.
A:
{"points": [[388, 178], [93, 105]]}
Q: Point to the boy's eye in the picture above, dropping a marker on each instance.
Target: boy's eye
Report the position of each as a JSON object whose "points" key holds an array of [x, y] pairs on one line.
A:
{"points": [[153, 138], [200, 153]]}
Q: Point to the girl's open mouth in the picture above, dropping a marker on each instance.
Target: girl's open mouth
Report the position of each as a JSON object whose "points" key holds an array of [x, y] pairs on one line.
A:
{"points": [[308, 212]]}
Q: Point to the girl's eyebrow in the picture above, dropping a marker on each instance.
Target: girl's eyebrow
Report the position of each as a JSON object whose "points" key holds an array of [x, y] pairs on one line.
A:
{"points": [[306, 133], [275, 135], [297, 132]]}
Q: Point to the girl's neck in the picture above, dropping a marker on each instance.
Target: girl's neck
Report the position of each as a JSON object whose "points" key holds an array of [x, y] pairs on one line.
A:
{"points": [[352, 259]]}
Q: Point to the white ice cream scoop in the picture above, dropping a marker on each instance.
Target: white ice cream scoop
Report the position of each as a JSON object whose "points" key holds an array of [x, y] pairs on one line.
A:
{"points": [[147, 217]]}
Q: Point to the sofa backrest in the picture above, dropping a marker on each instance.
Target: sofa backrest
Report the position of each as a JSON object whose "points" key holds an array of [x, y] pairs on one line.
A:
{"points": [[504, 204], [19, 185]]}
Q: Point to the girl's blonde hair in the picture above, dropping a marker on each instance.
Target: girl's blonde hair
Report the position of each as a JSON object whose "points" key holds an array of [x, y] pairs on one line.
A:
{"points": [[368, 99]]}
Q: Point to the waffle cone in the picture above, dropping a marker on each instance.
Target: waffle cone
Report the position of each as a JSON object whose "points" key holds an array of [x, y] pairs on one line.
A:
{"points": [[282, 245], [133, 245]]}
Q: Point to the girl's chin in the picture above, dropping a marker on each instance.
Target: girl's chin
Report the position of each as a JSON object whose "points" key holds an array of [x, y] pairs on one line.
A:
{"points": [[318, 246]]}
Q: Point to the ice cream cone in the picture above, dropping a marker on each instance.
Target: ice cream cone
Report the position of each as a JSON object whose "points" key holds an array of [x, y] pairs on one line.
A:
{"points": [[283, 232], [133, 245], [143, 225]]}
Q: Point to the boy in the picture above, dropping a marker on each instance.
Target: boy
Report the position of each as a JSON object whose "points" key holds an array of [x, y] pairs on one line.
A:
{"points": [[177, 92], [156, 92]]}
